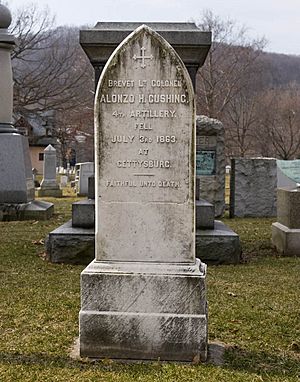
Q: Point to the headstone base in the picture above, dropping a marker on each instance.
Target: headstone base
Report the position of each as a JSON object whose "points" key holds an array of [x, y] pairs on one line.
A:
{"points": [[286, 240], [35, 210], [70, 245], [159, 312], [76, 245], [49, 192], [220, 245], [215, 354]]}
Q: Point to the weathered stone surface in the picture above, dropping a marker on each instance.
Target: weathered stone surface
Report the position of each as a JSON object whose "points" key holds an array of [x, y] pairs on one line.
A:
{"points": [[34, 210], [288, 207], [253, 187], [83, 213], [137, 200], [205, 214], [145, 233], [70, 245], [286, 240], [150, 283], [144, 318], [220, 245], [16, 181], [210, 146]]}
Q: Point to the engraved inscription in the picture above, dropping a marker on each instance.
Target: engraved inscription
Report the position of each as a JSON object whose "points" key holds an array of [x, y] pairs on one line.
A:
{"points": [[144, 138], [206, 141], [145, 167], [144, 125]]}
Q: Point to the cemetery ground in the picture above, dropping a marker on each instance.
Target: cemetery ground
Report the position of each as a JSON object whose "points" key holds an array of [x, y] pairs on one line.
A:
{"points": [[254, 308]]}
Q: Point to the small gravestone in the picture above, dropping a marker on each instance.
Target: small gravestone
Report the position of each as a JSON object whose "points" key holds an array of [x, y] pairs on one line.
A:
{"points": [[83, 172], [49, 185], [144, 296], [286, 231], [63, 180]]}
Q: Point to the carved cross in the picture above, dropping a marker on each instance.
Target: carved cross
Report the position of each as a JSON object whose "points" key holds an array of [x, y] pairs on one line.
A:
{"points": [[143, 57]]}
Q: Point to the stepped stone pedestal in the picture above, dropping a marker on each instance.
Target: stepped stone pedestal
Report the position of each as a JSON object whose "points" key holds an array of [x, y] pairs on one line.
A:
{"points": [[157, 312], [216, 243], [286, 231], [74, 241], [220, 245], [70, 245]]}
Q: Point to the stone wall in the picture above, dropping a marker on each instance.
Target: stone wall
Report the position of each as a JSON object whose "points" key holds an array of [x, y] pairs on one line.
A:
{"points": [[253, 187], [210, 141]]}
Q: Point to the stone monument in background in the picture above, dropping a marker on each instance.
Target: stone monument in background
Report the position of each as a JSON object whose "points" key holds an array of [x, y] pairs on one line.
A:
{"points": [[210, 161], [286, 231], [144, 295], [253, 187], [49, 185], [288, 173], [16, 179]]}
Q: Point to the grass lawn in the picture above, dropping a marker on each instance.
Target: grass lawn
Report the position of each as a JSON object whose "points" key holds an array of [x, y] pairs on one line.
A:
{"points": [[254, 308]]}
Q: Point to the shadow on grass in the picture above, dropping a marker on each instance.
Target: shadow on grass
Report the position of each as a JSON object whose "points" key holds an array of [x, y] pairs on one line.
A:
{"points": [[263, 363], [49, 360], [259, 363]]}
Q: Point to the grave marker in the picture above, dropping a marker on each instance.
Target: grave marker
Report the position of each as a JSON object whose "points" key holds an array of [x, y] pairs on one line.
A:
{"points": [[49, 185], [144, 296]]}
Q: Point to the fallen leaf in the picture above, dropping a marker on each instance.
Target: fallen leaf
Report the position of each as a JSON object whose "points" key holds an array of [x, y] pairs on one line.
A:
{"points": [[38, 242], [232, 294]]}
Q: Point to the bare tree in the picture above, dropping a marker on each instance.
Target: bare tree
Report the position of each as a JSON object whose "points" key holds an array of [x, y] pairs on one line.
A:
{"points": [[241, 119], [227, 67], [53, 77], [33, 29], [50, 69], [51, 74], [280, 121]]}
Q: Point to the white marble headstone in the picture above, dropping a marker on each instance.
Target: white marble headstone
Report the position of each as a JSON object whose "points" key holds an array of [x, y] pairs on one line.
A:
{"points": [[145, 137], [144, 296]]}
